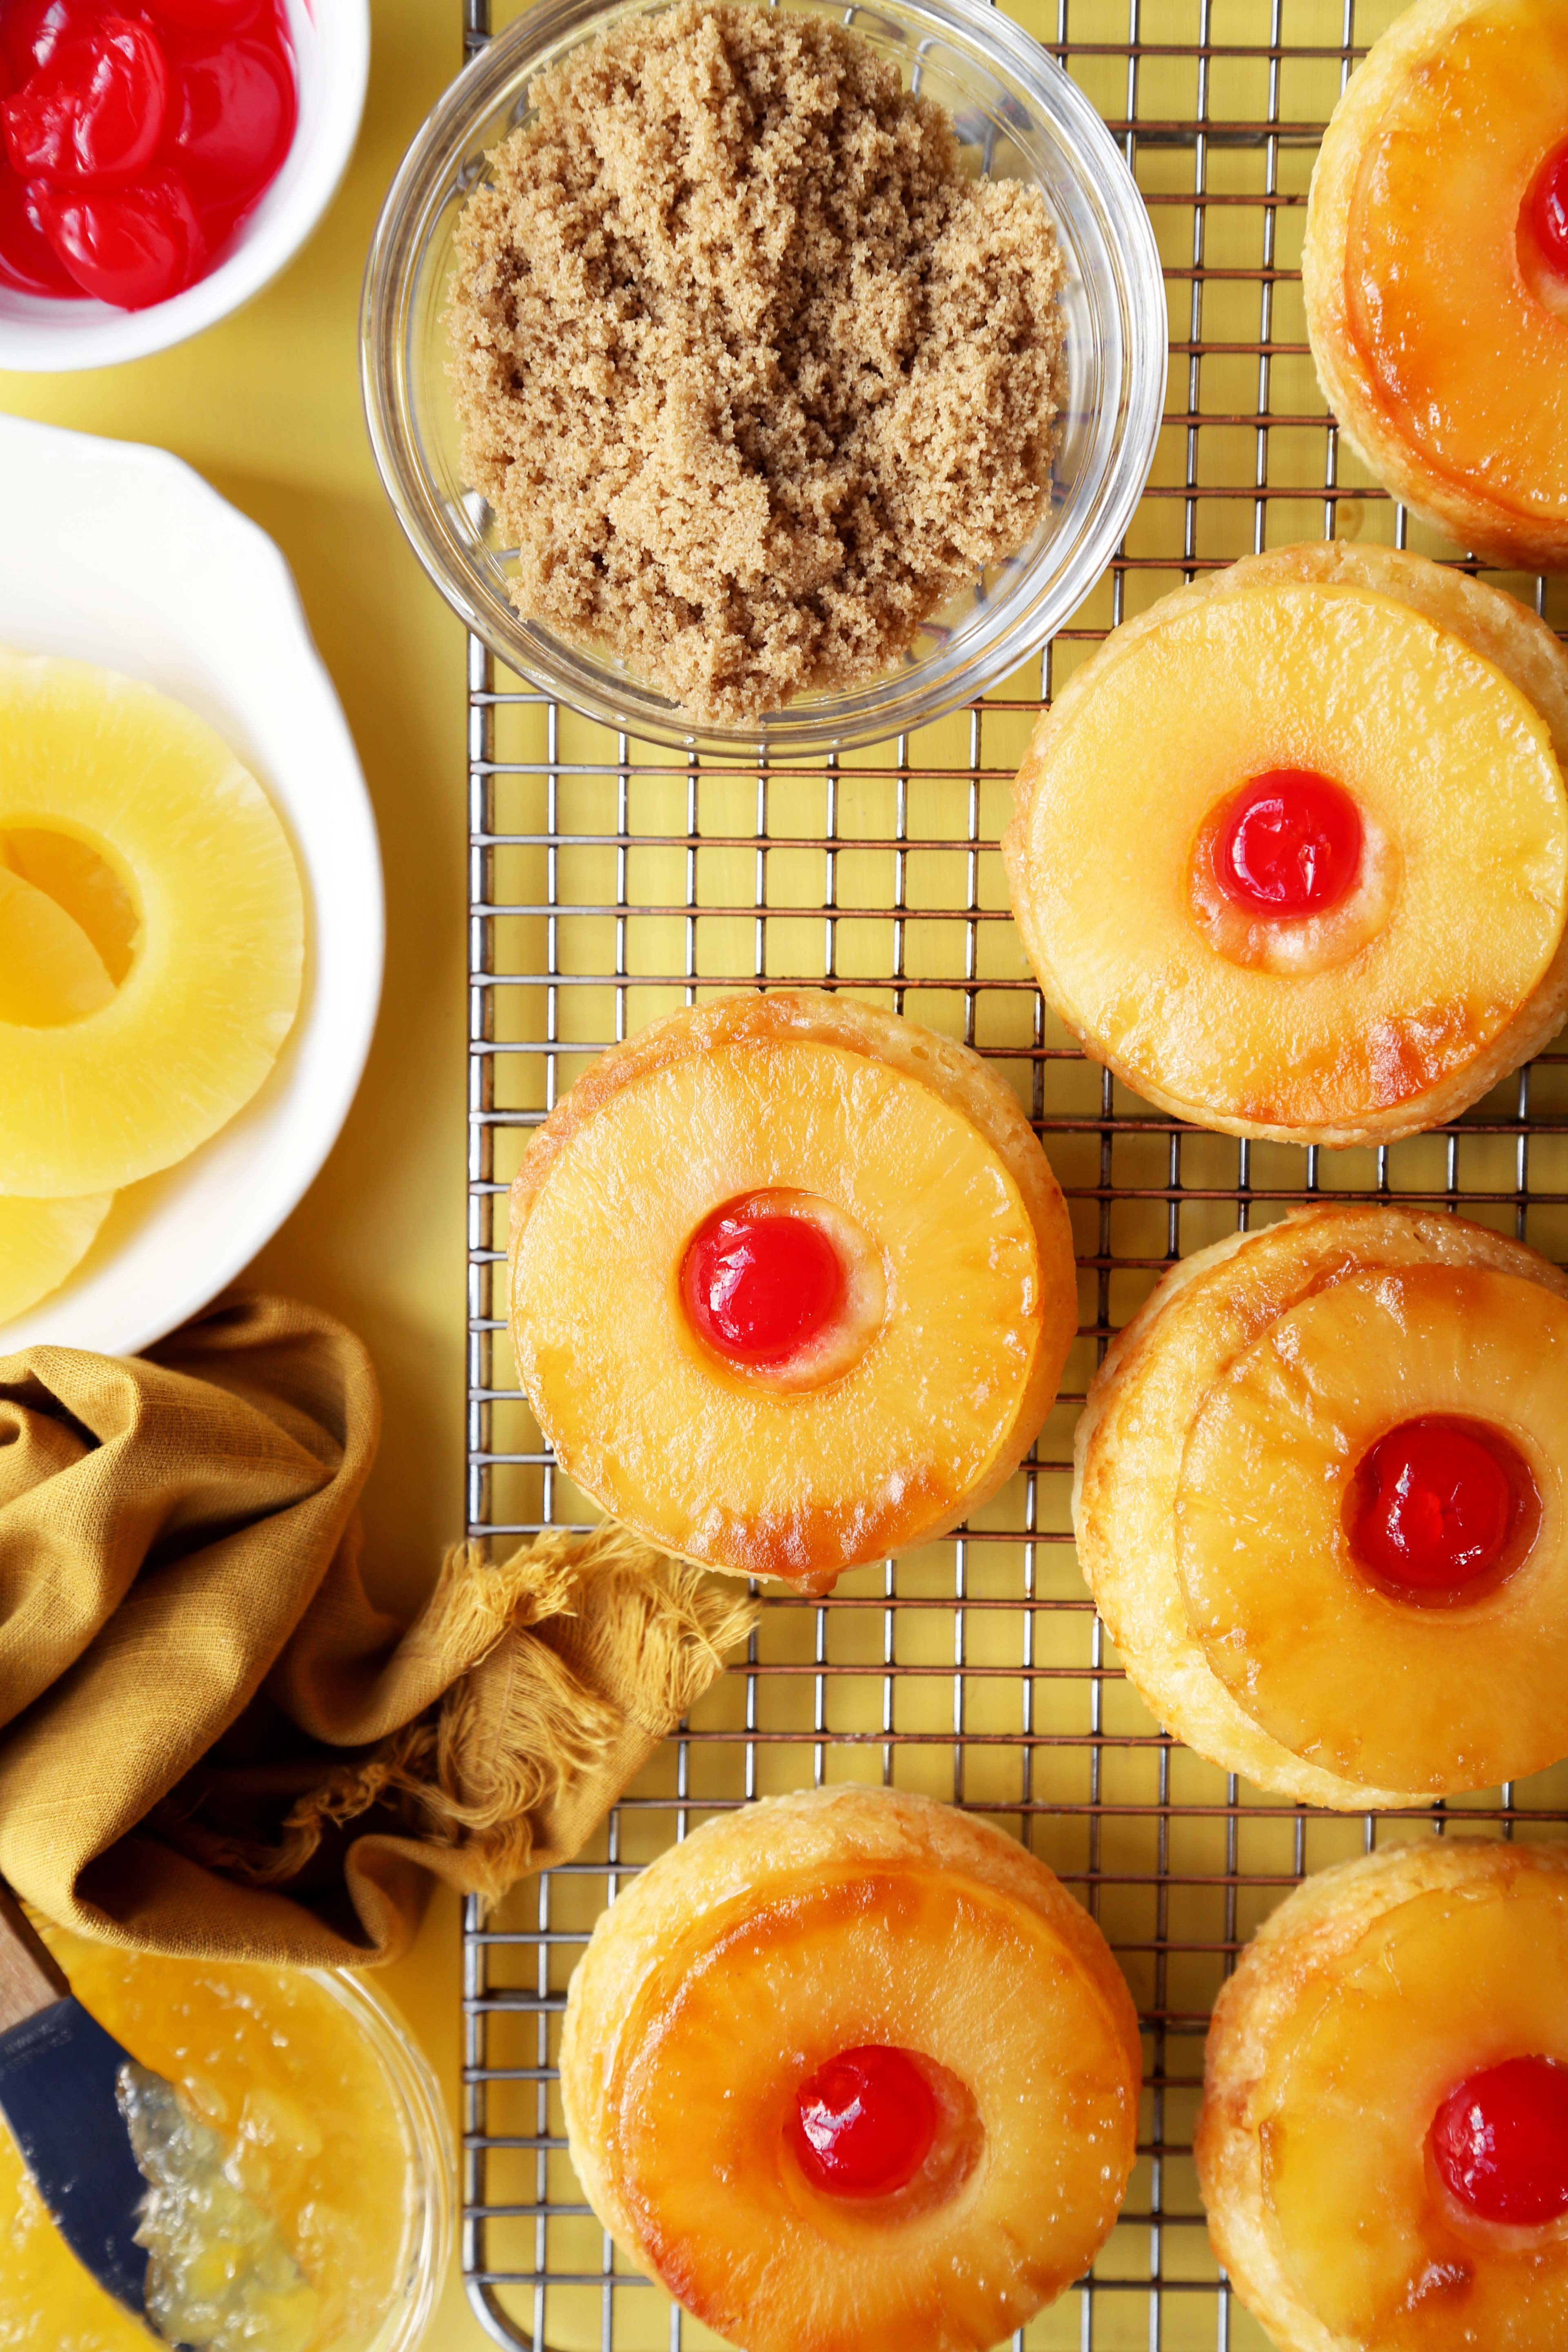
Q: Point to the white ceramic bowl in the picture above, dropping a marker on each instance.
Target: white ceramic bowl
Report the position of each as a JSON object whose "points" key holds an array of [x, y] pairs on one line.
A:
{"points": [[331, 53], [121, 555]]}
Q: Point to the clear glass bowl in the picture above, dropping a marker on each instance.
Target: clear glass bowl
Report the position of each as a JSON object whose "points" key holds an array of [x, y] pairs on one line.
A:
{"points": [[1019, 117], [432, 2167]]}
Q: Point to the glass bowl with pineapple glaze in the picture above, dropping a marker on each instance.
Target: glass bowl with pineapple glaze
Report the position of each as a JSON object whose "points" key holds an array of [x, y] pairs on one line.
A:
{"points": [[1018, 116], [332, 2123]]}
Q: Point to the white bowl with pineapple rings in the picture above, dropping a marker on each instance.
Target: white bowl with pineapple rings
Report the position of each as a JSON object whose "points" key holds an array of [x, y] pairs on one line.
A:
{"points": [[1321, 1503], [842, 1282], [190, 901], [1245, 826]]}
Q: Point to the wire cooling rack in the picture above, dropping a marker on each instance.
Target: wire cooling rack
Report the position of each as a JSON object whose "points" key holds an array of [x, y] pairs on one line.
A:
{"points": [[611, 882]]}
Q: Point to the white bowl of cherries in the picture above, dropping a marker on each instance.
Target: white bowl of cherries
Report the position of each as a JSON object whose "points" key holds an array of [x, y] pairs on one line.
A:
{"points": [[159, 161]]}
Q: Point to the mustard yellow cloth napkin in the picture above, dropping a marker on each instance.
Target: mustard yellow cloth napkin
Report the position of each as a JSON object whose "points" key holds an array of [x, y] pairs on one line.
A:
{"points": [[210, 1742]]}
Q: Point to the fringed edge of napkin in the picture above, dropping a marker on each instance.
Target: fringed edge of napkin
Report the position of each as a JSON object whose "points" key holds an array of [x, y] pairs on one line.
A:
{"points": [[634, 1638]]}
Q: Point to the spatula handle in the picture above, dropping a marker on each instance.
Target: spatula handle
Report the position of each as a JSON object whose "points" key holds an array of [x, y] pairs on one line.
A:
{"points": [[30, 1979]]}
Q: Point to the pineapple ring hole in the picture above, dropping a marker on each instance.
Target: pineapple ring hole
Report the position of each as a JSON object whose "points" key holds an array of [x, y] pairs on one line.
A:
{"points": [[783, 1290], [889, 2131], [1338, 897], [1543, 234], [1441, 1511], [90, 956]]}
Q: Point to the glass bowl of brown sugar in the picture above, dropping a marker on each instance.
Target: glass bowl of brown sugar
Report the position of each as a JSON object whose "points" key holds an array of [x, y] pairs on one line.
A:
{"points": [[1017, 116]]}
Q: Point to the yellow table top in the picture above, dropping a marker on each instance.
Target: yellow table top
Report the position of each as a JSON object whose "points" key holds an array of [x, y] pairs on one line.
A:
{"points": [[267, 407]]}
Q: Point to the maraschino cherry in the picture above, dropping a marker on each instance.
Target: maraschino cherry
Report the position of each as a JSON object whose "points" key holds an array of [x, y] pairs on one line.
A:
{"points": [[757, 1286], [1290, 844], [865, 2123], [135, 135], [1499, 2143], [1436, 1509], [1547, 208]]}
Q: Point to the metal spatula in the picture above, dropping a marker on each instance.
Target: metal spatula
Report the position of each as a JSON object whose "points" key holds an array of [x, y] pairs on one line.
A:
{"points": [[59, 2070]]}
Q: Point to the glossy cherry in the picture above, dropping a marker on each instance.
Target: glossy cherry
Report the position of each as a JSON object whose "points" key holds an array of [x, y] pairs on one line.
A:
{"points": [[28, 261], [865, 2123], [1547, 207], [136, 138], [130, 246], [204, 21], [234, 121], [758, 1288], [31, 31], [1290, 844], [1436, 1506], [95, 112], [1499, 2143]]}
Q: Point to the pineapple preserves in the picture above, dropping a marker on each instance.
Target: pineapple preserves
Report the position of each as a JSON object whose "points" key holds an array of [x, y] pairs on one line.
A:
{"points": [[273, 2074]]}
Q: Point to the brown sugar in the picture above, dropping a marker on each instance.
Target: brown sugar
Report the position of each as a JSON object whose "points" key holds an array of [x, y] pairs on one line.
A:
{"points": [[750, 371]]}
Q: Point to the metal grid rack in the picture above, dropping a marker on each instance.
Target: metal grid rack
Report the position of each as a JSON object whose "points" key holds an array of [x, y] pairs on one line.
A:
{"points": [[610, 882]]}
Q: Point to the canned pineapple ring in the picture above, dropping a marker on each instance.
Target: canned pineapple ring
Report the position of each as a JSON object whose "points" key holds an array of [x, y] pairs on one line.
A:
{"points": [[213, 987]]}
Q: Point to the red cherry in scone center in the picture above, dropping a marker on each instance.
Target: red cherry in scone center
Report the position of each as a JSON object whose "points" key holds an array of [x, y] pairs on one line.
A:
{"points": [[1290, 844], [1436, 1506], [759, 1287], [1546, 209], [1500, 2142], [95, 110], [866, 2122]]}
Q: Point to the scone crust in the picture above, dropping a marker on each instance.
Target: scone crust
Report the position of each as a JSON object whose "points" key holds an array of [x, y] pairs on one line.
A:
{"points": [[958, 1076], [1309, 1935], [752, 1851], [1493, 624], [1133, 1432], [1464, 514]]}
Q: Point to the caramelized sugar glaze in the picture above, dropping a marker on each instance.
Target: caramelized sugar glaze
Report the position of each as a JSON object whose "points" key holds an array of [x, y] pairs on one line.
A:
{"points": [[1383, 2143], [1434, 272], [749, 1989]]}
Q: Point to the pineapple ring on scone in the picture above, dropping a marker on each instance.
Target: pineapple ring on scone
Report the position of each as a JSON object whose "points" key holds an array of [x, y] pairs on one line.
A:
{"points": [[792, 1284], [851, 2067], [1319, 1499], [136, 1078], [1434, 270], [1291, 774], [1382, 2148]]}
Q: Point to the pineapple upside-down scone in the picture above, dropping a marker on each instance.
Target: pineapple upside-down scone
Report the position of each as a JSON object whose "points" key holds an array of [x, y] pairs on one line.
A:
{"points": [[1321, 1503], [792, 1284], [852, 2068], [1435, 270], [1290, 850], [1382, 2148]]}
